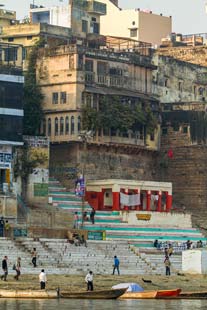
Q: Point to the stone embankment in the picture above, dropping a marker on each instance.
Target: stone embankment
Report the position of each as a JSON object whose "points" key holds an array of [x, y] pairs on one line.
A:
{"points": [[77, 283]]}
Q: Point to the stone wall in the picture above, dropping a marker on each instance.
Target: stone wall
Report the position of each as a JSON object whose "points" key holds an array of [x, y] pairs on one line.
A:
{"points": [[178, 81], [187, 170], [49, 217], [194, 54], [102, 162], [8, 206], [164, 219]]}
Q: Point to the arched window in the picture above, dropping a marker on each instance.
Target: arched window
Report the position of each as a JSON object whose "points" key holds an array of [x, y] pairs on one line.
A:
{"points": [[67, 125], [44, 126], [61, 126], [56, 126], [72, 125], [79, 123], [49, 127]]}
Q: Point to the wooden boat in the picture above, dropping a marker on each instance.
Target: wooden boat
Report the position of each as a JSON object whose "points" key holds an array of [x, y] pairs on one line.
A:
{"points": [[105, 294], [168, 293], [193, 295], [28, 294], [139, 295], [152, 294]]}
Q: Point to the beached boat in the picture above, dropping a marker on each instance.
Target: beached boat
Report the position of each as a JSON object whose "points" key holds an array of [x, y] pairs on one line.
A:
{"points": [[105, 294], [160, 294], [168, 293], [28, 294], [139, 295], [193, 295]]}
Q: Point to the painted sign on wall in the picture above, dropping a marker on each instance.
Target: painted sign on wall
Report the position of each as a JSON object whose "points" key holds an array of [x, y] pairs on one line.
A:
{"points": [[40, 189], [96, 235]]}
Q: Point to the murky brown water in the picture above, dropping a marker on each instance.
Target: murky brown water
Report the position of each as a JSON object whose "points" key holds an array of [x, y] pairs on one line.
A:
{"points": [[63, 304]]}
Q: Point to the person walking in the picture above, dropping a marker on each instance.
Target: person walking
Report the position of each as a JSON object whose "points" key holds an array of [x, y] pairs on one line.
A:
{"points": [[42, 279], [75, 219], [83, 241], [5, 268], [89, 281], [170, 250], [17, 268], [2, 226], [116, 265], [34, 257], [7, 230], [167, 266], [92, 215]]}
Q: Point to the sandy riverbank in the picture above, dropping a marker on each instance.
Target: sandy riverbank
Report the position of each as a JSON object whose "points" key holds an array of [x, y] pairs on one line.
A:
{"points": [[76, 283]]}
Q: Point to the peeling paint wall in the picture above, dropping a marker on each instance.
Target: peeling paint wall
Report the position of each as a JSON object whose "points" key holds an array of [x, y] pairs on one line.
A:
{"points": [[179, 81]]}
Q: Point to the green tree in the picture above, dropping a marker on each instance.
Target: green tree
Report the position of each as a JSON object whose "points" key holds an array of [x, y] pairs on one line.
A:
{"points": [[32, 101], [115, 115]]}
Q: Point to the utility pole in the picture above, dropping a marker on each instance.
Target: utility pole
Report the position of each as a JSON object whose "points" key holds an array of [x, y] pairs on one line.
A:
{"points": [[84, 136]]}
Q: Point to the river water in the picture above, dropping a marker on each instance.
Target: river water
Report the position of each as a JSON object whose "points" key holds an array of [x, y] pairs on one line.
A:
{"points": [[65, 304]]}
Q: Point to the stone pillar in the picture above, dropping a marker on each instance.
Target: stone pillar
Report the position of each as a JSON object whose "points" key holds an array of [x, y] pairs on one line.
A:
{"points": [[148, 200], [136, 191], [168, 202], [159, 203], [116, 201], [126, 193], [101, 200]]}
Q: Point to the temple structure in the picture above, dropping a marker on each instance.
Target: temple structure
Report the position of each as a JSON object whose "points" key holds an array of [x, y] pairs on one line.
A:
{"points": [[115, 194]]}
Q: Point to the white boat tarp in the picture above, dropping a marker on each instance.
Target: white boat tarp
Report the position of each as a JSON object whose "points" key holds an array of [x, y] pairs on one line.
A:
{"points": [[132, 287]]}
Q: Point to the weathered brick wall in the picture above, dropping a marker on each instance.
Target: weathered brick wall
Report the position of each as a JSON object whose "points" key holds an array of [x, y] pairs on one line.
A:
{"points": [[196, 54], [47, 216], [102, 162], [187, 170], [174, 80]]}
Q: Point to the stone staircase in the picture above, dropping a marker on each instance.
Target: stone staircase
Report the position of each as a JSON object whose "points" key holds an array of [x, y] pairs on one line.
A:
{"points": [[114, 226], [57, 256], [120, 236]]}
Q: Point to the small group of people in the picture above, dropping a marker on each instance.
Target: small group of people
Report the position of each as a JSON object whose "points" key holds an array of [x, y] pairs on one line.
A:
{"points": [[76, 239], [190, 245], [92, 216], [5, 227], [85, 218], [16, 267]]}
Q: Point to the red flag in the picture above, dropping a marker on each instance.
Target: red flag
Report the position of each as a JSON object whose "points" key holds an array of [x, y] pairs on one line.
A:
{"points": [[170, 153]]}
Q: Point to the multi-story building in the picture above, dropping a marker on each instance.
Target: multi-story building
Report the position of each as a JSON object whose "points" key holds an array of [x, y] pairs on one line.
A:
{"points": [[11, 120], [177, 81], [81, 16], [29, 34], [137, 24], [73, 76]]}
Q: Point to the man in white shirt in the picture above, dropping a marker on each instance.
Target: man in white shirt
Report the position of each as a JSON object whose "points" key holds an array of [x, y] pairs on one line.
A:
{"points": [[89, 281], [42, 279]]}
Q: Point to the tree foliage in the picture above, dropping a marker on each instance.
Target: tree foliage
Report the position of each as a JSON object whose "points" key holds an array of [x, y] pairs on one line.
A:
{"points": [[115, 115], [28, 160], [32, 101]]}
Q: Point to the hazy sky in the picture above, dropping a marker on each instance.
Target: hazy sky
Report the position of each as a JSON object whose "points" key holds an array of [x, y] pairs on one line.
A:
{"points": [[188, 15]]}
